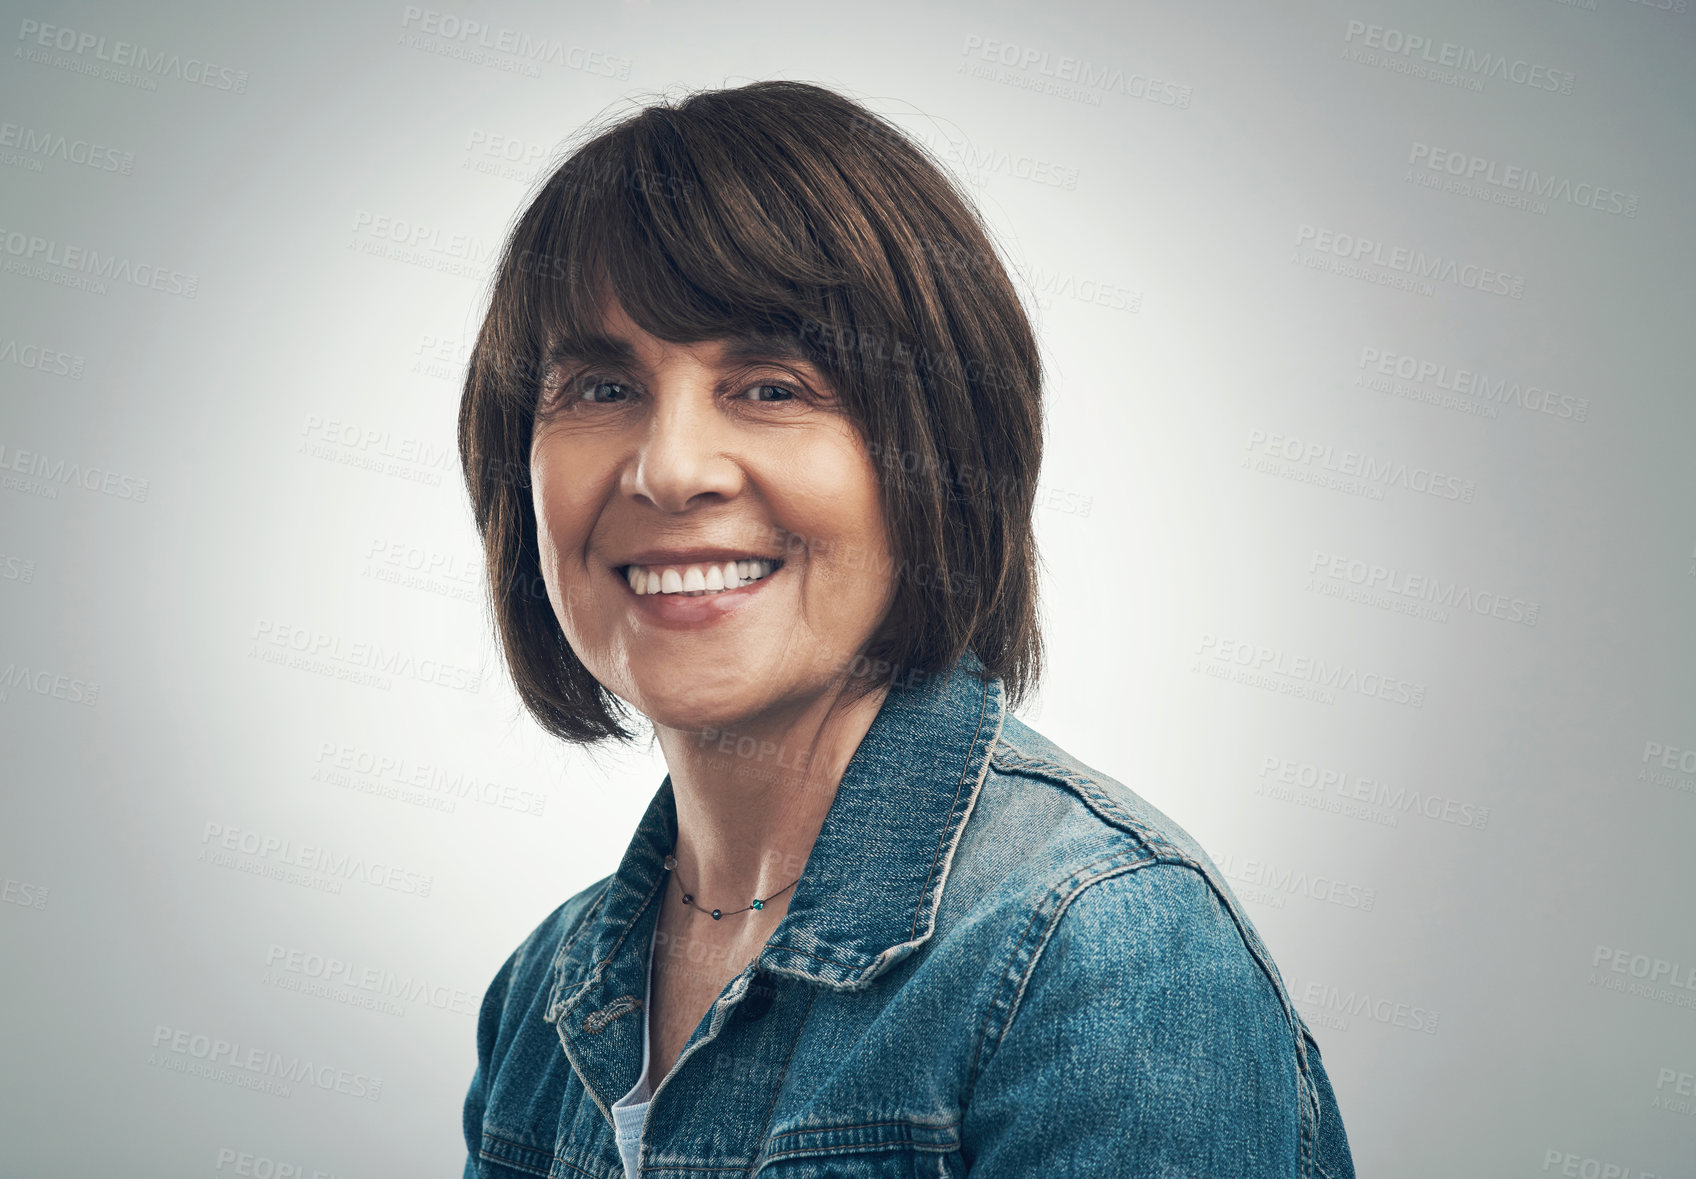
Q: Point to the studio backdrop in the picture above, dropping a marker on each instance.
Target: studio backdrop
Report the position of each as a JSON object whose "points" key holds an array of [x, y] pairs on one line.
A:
{"points": [[1368, 528]]}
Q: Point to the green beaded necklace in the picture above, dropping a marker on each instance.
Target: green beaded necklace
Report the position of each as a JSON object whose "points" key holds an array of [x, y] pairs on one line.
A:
{"points": [[689, 899]]}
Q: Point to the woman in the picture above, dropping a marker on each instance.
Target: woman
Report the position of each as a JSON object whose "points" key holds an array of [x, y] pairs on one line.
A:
{"points": [[752, 432]]}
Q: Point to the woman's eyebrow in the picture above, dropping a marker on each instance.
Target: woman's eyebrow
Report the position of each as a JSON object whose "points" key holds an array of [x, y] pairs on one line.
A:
{"points": [[592, 350], [740, 348], [748, 346]]}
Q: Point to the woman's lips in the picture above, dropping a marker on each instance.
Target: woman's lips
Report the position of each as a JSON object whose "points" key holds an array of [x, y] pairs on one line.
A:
{"points": [[686, 611]]}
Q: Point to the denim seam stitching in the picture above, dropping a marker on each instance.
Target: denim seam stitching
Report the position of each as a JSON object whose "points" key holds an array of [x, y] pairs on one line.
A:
{"points": [[1019, 977], [598, 970], [1310, 1142], [584, 922], [1016, 760], [953, 1128], [945, 846], [859, 1148], [1059, 915], [483, 1153], [949, 1125], [776, 1089], [975, 1063]]}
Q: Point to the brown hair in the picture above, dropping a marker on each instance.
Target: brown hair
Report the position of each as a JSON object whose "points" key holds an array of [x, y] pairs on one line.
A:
{"points": [[780, 208]]}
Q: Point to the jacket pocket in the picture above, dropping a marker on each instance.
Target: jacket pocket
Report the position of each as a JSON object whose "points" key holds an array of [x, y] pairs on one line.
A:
{"points": [[504, 1158], [897, 1149]]}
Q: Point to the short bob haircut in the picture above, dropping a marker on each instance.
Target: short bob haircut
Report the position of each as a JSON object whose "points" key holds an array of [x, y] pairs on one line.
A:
{"points": [[783, 209]]}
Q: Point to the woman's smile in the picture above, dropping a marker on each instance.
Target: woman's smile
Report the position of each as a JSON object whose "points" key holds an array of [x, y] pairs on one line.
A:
{"points": [[697, 593]]}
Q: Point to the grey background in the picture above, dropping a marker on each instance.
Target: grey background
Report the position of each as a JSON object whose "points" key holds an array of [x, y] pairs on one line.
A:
{"points": [[1459, 974]]}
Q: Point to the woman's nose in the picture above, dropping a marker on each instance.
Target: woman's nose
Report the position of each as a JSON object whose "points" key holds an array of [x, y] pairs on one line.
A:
{"points": [[682, 455]]}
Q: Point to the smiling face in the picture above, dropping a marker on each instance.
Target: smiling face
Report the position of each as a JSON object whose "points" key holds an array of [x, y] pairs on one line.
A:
{"points": [[667, 467]]}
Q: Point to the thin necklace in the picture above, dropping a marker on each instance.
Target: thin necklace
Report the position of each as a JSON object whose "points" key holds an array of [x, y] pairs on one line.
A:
{"points": [[689, 898]]}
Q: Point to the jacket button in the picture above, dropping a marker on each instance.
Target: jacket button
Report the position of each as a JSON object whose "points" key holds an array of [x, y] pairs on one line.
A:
{"points": [[757, 1000]]}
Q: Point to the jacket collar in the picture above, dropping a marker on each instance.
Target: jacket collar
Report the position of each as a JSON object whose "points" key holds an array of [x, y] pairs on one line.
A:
{"points": [[873, 881]]}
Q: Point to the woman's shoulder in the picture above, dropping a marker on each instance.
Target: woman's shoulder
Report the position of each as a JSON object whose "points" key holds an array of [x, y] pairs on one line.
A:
{"points": [[1113, 922], [1101, 806], [1074, 852]]}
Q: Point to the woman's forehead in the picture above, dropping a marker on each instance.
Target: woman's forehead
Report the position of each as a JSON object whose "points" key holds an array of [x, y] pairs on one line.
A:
{"points": [[611, 346], [611, 334]]}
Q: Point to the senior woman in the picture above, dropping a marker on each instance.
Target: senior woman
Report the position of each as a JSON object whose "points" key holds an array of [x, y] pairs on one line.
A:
{"points": [[751, 432]]}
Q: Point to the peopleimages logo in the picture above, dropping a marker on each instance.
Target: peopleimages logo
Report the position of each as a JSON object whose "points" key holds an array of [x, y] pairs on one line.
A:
{"points": [[274, 641], [1572, 1165], [419, 235], [1270, 884], [43, 360], [474, 41], [269, 855], [411, 566], [1415, 264], [248, 1165], [24, 894], [395, 774], [1670, 756], [1299, 675], [1091, 80], [1643, 976], [1049, 285], [1410, 590], [326, 976], [980, 162], [1440, 375], [379, 451], [1332, 1004], [1668, 766], [416, 243], [45, 144], [1355, 468], [1308, 784], [48, 470], [509, 157], [88, 269], [1463, 166], [1681, 1083], [127, 54], [1417, 50], [45, 683], [254, 1068]]}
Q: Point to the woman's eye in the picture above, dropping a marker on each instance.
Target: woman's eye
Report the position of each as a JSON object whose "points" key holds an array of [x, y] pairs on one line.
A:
{"points": [[593, 389], [589, 387], [564, 392], [787, 393]]}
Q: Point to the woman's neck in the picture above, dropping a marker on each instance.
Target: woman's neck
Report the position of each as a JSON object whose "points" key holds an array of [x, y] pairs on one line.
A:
{"points": [[752, 799]]}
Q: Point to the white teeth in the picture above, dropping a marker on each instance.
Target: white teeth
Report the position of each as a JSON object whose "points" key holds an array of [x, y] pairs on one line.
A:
{"points": [[696, 579]]}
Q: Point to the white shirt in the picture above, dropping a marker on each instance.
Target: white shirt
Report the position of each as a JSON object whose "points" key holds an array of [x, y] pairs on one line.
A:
{"points": [[631, 1111]]}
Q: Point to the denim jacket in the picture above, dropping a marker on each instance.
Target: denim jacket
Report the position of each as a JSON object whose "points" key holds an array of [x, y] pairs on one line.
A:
{"points": [[998, 962]]}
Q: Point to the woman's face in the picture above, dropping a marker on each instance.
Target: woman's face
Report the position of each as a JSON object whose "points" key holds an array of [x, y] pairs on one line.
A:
{"points": [[673, 465]]}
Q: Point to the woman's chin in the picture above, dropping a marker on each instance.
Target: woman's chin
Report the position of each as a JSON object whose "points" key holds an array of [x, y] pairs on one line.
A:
{"points": [[698, 710]]}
